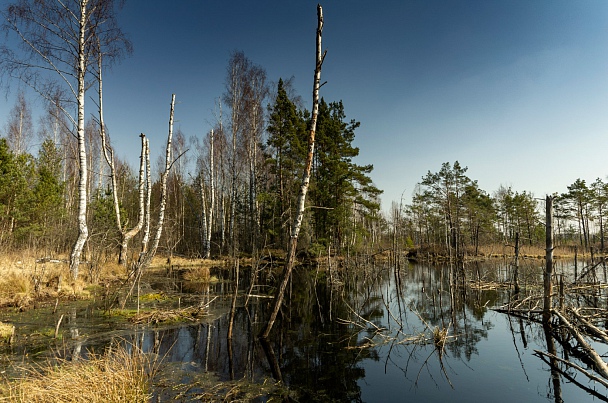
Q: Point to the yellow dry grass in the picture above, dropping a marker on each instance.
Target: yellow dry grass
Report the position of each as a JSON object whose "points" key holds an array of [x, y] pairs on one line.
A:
{"points": [[24, 279], [120, 375], [525, 251], [7, 332], [198, 273], [440, 336], [160, 261]]}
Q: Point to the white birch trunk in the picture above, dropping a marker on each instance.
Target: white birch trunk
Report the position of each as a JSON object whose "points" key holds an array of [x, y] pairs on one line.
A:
{"points": [[293, 241], [83, 231], [233, 188], [146, 234], [104, 149], [203, 216], [147, 257], [212, 195], [128, 235]]}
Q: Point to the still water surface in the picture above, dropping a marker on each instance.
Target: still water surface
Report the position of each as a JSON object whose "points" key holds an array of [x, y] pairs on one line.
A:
{"points": [[368, 336]]}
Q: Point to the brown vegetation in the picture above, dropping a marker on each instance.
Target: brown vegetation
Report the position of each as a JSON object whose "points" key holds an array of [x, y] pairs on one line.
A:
{"points": [[122, 374]]}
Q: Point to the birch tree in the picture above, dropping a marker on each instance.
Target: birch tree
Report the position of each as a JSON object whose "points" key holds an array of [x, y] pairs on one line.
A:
{"points": [[19, 130], [207, 186], [147, 255], [257, 91], [293, 240], [238, 65], [57, 47]]}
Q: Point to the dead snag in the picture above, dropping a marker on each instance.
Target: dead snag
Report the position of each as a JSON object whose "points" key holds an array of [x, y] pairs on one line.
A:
{"points": [[293, 239]]}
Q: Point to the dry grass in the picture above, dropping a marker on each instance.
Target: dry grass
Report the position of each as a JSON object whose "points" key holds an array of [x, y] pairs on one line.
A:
{"points": [[160, 261], [198, 274], [440, 335], [112, 270], [120, 375], [7, 332], [525, 251]]}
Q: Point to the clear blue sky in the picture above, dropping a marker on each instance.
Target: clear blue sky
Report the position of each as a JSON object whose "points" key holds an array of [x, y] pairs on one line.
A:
{"points": [[517, 90]]}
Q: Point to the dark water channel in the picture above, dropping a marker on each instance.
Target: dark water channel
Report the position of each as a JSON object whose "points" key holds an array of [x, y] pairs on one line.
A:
{"points": [[367, 334]]}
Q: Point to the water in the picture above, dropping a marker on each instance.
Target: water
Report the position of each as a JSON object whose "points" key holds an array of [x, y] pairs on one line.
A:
{"points": [[368, 335]]}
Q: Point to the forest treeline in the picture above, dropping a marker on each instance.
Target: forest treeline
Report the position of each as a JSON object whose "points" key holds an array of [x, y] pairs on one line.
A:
{"points": [[242, 192], [234, 190], [450, 214]]}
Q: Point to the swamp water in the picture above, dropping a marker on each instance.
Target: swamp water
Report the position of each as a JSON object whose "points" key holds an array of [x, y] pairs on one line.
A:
{"points": [[370, 335]]}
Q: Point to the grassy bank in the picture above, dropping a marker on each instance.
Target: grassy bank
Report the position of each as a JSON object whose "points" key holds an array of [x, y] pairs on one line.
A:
{"points": [[122, 374]]}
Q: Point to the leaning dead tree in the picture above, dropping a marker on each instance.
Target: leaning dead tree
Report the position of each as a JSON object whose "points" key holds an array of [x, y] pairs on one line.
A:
{"points": [[547, 285], [293, 239]]}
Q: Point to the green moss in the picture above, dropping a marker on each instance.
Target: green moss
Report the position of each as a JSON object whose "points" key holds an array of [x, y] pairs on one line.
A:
{"points": [[120, 313], [154, 296]]}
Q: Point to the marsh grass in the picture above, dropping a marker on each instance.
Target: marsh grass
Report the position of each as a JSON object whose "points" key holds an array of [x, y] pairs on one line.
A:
{"points": [[525, 251], [440, 335], [122, 374], [197, 274], [7, 332]]}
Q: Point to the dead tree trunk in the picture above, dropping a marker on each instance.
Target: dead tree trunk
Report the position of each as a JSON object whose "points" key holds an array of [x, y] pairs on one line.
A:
{"points": [[108, 154], [548, 288], [293, 241], [600, 365], [146, 258], [126, 236], [516, 265], [146, 233], [209, 216]]}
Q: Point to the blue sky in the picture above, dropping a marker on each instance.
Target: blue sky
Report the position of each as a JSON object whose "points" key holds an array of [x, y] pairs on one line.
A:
{"points": [[517, 90]]}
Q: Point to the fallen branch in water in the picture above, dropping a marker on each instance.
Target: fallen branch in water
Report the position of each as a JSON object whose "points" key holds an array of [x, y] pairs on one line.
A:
{"points": [[591, 328], [573, 365], [600, 365]]}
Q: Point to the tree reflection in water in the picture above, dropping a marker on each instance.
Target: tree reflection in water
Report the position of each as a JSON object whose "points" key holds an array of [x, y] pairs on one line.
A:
{"points": [[378, 334]]}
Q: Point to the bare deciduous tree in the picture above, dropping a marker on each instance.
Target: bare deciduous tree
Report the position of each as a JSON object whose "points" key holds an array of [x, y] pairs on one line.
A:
{"points": [[146, 256], [58, 42], [19, 130]]}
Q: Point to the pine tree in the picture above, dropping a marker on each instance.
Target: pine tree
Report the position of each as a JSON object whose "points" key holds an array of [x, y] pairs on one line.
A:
{"points": [[341, 189], [286, 152], [47, 196], [16, 173]]}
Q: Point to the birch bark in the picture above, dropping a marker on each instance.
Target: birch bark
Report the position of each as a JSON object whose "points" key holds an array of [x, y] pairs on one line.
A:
{"points": [[293, 240], [146, 258], [212, 197], [83, 230]]}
